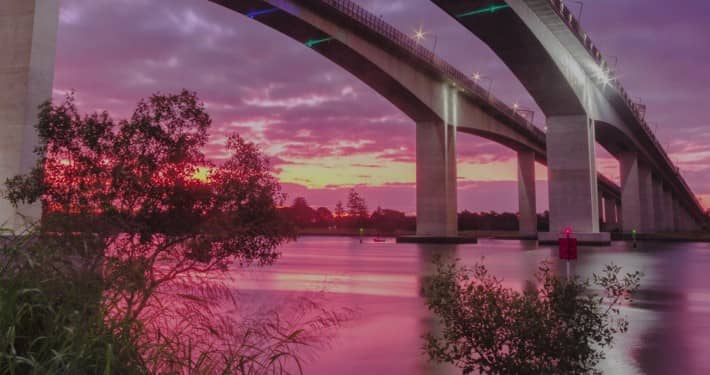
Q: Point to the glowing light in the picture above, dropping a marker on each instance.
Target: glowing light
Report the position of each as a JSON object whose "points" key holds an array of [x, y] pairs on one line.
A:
{"points": [[516, 106], [202, 174], [314, 42], [476, 76], [262, 12], [420, 34], [490, 9]]}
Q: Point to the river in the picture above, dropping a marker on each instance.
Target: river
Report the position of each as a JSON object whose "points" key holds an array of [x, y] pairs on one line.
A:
{"points": [[669, 330]]}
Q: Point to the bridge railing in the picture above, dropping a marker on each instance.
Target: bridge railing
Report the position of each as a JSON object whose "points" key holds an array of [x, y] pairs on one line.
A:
{"points": [[573, 23], [374, 23]]}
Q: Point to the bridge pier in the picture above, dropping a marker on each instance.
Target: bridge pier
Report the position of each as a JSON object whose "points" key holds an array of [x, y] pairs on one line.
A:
{"points": [[436, 180], [573, 180], [610, 218], [658, 205], [28, 30], [636, 194], [667, 210], [676, 216], [527, 207]]}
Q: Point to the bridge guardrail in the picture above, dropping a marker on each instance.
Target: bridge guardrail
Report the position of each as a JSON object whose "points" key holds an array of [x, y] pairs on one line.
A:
{"points": [[374, 23], [574, 25]]}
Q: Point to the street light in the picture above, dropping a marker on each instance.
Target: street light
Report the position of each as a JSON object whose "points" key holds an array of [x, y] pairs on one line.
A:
{"points": [[527, 113], [420, 35], [581, 8], [477, 77]]}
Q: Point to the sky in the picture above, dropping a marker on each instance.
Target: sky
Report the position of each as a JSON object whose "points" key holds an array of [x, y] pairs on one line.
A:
{"points": [[326, 132]]}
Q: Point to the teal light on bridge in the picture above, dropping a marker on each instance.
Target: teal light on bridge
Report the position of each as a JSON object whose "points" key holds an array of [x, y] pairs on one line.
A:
{"points": [[261, 12], [314, 42], [490, 9]]}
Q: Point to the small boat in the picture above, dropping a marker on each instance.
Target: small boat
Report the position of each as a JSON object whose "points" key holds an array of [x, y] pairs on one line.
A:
{"points": [[379, 239]]}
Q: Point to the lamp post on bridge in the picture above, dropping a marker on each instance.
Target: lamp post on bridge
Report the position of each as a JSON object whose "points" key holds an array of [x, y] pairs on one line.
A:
{"points": [[477, 77], [581, 9], [420, 35], [524, 112]]}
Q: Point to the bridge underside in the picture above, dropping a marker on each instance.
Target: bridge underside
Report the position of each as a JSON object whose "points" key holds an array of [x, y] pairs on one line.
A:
{"points": [[424, 92], [565, 81]]}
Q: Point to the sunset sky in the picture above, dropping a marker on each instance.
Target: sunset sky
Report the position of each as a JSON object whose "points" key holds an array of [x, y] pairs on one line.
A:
{"points": [[325, 131]]}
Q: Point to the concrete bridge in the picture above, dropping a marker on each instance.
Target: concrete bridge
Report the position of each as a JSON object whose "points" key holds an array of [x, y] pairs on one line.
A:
{"points": [[544, 46], [441, 100]]}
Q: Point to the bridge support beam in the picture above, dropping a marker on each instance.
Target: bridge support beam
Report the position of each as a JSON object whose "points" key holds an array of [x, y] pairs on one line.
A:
{"points": [[28, 30], [636, 194], [668, 210], [677, 212], [436, 180], [658, 205], [573, 180], [610, 217], [527, 207]]}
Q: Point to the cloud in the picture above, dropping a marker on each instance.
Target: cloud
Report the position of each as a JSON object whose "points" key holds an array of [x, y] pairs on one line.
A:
{"points": [[323, 127]]}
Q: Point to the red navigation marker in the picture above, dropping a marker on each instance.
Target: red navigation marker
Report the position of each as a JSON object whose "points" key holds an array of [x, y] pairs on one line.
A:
{"points": [[568, 248]]}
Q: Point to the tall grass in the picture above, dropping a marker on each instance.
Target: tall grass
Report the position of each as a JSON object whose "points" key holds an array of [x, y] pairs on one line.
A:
{"points": [[51, 316], [61, 313]]}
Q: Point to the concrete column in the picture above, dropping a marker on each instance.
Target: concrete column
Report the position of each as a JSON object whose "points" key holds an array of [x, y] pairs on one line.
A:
{"points": [[648, 222], [630, 192], [28, 30], [527, 207], [658, 205], [677, 209], [610, 214], [572, 179], [436, 180], [619, 214], [636, 194], [600, 210], [667, 210]]}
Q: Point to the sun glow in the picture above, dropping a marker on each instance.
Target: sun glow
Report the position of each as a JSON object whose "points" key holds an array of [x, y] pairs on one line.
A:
{"points": [[202, 174]]}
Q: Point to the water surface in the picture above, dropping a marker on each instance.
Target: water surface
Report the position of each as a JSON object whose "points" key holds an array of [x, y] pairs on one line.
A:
{"points": [[669, 320]]}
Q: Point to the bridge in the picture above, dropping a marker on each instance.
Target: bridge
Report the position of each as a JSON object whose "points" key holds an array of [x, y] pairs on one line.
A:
{"points": [[441, 101]]}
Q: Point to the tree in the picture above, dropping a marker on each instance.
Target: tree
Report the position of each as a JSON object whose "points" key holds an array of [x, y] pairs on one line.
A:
{"points": [[339, 210], [558, 328], [137, 204], [301, 213], [357, 209], [387, 221], [325, 217]]}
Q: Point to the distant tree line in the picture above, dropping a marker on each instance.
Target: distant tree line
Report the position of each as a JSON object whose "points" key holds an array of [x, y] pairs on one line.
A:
{"points": [[354, 214]]}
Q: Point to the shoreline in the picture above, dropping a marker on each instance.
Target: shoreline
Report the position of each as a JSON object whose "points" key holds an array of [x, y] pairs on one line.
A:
{"points": [[700, 237]]}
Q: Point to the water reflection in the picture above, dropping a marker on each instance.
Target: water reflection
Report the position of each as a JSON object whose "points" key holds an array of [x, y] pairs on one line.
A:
{"points": [[669, 320]]}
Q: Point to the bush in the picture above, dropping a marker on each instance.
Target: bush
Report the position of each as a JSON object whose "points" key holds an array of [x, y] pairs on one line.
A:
{"points": [[559, 327], [51, 316]]}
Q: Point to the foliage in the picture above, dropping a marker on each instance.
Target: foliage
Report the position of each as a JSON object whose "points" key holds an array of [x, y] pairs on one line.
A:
{"points": [[496, 221], [339, 210], [136, 205], [557, 328], [387, 221], [357, 208], [50, 318]]}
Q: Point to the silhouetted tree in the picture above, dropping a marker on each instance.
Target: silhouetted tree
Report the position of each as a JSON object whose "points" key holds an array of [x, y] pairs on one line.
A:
{"points": [[123, 201], [339, 210], [301, 214], [558, 328], [357, 209], [387, 221], [324, 216]]}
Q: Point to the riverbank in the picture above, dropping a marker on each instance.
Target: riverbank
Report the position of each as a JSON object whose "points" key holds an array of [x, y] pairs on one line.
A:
{"points": [[370, 232], [502, 235]]}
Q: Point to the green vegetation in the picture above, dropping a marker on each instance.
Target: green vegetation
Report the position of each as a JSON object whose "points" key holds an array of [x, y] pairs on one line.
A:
{"points": [[560, 327], [129, 269]]}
